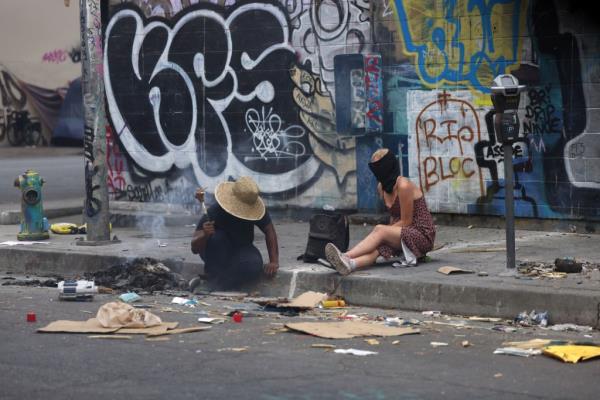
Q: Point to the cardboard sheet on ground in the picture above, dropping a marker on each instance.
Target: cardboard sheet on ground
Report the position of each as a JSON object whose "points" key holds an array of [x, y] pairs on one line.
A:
{"points": [[573, 353], [348, 329], [92, 325], [448, 270], [305, 301]]}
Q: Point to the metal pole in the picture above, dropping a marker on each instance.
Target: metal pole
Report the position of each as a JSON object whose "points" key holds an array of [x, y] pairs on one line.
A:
{"points": [[509, 206], [95, 210]]}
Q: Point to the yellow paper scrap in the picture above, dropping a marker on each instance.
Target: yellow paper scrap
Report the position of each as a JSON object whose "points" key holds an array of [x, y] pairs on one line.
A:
{"points": [[372, 342], [573, 353]]}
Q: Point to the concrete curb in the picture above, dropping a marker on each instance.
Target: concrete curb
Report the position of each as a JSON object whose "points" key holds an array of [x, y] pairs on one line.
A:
{"points": [[565, 305], [12, 217]]}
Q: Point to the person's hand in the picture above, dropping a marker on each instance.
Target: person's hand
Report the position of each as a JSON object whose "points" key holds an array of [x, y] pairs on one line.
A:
{"points": [[271, 268], [199, 195], [208, 228]]}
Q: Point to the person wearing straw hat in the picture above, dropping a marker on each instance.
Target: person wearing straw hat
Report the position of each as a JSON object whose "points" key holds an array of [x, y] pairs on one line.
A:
{"points": [[225, 234]]}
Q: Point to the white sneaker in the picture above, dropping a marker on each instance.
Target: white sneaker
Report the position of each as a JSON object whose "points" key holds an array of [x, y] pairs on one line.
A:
{"points": [[337, 259]]}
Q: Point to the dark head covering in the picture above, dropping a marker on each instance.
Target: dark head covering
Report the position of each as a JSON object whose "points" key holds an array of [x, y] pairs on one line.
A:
{"points": [[386, 170]]}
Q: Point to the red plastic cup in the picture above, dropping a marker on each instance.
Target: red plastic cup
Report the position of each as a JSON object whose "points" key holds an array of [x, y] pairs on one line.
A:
{"points": [[30, 317], [237, 317]]}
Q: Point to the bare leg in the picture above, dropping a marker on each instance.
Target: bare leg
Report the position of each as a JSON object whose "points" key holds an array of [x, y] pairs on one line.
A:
{"points": [[381, 234], [366, 259]]}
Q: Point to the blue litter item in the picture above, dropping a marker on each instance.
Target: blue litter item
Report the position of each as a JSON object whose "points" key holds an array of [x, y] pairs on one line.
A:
{"points": [[130, 297]]}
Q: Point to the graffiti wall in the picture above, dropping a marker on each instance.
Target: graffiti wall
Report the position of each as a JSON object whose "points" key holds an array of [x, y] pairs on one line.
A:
{"points": [[298, 94], [37, 61]]}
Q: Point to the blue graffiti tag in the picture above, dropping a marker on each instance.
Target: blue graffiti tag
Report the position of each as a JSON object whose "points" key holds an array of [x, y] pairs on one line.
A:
{"points": [[466, 69]]}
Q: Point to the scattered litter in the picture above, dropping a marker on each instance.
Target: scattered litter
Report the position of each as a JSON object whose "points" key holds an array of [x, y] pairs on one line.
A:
{"points": [[515, 351], [179, 331], [438, 344], [125, 337], [333, 303], [322, 346], [504, 328], [31, 317], [395, 321], [470, 227], [348, 329], [236, 349], [434, 314], [536, 344], [105, 290], [532, 319], [229, 295], [498, 375], [130, 297], [142, 306], [570, 327], [484, 319], [573, 353], [448, 270], [21, 243], [567, 265], [64, 228], [111, 318], [482, 273], [372, 342], [160, 244], [396, 342], [537, 269], [237, 317], [209, 320], [76, 290], [306, 301], [554, 275], [50, 282], [355, 352], [86, 311], [275, 331], [465, 343], [121, 315], [141, 274], [182, 301]]}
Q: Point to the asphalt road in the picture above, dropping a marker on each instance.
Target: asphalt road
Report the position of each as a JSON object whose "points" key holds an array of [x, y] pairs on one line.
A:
{"points": [[61, 168], [274, 366]]}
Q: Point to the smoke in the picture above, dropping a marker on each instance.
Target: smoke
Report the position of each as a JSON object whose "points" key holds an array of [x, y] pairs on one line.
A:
{"points": [[153, 226]]}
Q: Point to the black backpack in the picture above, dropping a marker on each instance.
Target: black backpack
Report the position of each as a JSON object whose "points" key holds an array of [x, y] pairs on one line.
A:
{"points": [[324, 228]]}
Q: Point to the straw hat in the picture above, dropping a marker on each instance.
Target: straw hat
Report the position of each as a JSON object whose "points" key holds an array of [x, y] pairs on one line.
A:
{"points": [[240, 199]]}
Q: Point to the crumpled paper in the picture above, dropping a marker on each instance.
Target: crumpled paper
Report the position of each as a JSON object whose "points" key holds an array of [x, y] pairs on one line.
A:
{"points": [[121, 315]]}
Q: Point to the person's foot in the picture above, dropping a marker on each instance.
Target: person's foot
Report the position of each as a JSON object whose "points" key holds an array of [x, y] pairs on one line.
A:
{"points": [[194, 283], [341, 262]]}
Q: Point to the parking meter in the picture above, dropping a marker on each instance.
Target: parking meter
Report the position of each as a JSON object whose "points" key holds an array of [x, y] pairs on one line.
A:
{"points": [[506, 96]]}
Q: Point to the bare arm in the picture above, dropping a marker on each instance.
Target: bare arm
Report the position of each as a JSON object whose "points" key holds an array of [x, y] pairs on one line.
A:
{"points": [[272, 248], [405, 192], [201, 236]]}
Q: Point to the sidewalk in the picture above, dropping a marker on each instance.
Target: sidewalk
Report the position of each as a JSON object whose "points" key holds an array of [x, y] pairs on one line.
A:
{"points": [[574, 299]]}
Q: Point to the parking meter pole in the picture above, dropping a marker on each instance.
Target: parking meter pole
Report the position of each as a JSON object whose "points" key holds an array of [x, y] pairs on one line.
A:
{"points": [[509, 206], [506, 96]]}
